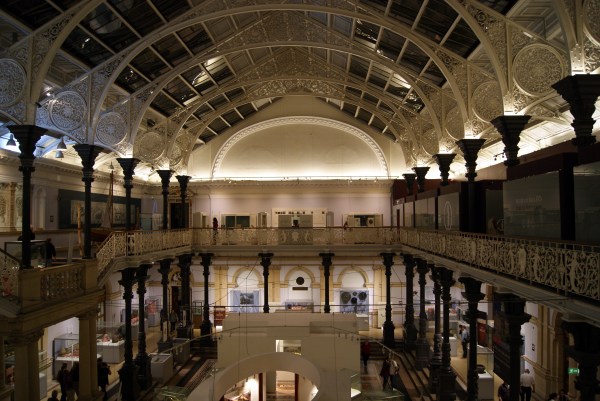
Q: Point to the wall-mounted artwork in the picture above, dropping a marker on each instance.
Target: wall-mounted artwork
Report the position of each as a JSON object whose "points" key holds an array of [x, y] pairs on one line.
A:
{"points": [[354, 301], [71, 209], [245, 301]]}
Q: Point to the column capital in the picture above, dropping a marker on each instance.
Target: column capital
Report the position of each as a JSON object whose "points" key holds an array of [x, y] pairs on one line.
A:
{"points": [[183, 183], [88, 154], [388, 258], [470, 147], [421, 172], [22, 339], [87, 315], [409, 178], [206, 258], [510, 127], [165, 177], [128, 165], [472, 292], [27, 136], [443, 161]]}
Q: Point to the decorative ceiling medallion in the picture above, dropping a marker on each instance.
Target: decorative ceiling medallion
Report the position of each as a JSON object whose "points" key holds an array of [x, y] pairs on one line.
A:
{"points": [[536, 68], [591, 19], [487, 101], [12, 82], [454, 124], [111, 129], [68, 110], [429, 142], [149, 146], [176, 155]]}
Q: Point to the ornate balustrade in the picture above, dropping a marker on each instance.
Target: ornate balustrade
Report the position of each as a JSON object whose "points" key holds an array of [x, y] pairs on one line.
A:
{"points": [[9, 276], [572, 269]]}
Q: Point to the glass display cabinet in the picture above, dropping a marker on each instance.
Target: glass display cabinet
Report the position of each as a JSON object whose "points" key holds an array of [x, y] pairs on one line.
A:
{"points": [[153, 306], [65, 349], [110, 343], [38, 251]]}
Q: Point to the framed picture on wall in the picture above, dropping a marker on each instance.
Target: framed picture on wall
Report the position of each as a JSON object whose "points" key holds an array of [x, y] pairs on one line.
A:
{"points": [[354, 301]]}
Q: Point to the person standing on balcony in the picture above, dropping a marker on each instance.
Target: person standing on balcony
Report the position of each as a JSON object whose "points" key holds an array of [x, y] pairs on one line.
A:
{"points": [[215, 225], [50, 252]]}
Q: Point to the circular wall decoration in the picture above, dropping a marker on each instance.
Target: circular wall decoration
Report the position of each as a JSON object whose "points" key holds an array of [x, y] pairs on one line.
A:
{"points": [[487, 101], [536, 68], [176, 155], [591, 18], [300, 280], [149, 146], [68, 110], [12, 81], [111, 129]]}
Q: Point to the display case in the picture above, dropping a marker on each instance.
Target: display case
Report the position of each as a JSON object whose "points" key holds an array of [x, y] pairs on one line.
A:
{"points": [[161, 366], [38, 251], [110, 343], [153, 306], [65, 349], [135, 322]]}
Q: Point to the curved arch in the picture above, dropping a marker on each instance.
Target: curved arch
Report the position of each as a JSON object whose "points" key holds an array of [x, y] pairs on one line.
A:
{"points": [[299, 120], [352, 269], [303, 269], [249, 366], [249, 269]]}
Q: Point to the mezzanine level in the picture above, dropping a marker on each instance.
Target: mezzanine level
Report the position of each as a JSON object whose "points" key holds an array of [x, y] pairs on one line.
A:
{"points": [[565, 275]]}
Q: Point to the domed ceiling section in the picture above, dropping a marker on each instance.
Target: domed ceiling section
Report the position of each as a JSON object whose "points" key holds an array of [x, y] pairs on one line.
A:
{"points": [[300, 147]]}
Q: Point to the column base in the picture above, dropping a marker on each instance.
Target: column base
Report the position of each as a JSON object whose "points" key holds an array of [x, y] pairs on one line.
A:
{"points": [[423, 354], [164, 345], [388, 334], [185, 332], [144, 374], [410, 337], [206, 332], [434, 372], [447, 386], [130, 389]]}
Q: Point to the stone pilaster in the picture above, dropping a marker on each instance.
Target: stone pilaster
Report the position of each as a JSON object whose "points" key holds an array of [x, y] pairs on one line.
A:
{"points": [[88, 373], [26, 366]]}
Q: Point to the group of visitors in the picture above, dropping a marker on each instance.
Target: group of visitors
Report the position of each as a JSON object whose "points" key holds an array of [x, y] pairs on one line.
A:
{"points": [[527, 384], [68, 381], [390, 374]]}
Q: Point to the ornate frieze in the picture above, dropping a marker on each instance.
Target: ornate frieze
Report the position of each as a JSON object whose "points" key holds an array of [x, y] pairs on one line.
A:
{"points": [[68, 111], [111, 129], [537, 67], [149, 146]]}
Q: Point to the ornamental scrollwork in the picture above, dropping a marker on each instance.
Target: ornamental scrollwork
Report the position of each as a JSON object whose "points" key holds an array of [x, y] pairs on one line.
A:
{"points": [[111, 129], [454, 124], [592, 55], [149, 146], [68, 111], [429, 142], [12, 82], [536, 68], [591, 20], [487, 101]]}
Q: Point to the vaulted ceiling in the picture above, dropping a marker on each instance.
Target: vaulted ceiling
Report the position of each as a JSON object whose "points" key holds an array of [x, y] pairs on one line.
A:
{"points": [[157, 79]]}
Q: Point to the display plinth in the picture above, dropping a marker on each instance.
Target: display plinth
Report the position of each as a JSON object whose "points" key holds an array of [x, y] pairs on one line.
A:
{"points": [[486, 387], [111, 352], [181, 350], [161, 366]]}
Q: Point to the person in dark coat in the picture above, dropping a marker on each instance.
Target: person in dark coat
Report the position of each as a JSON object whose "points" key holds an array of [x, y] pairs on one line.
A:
{"points": [[103, 374], [50, 252], [62, 377]]}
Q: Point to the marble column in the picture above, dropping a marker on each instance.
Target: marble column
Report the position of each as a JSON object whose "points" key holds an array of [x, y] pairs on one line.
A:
{"points": [[388, 326], [165, 342], [423, 350], [410, 330], [27, 369], [128, 165], [585, 350], [187, 329], [265, 262], [446, 377], [470, 147], [473, 295], [326, 262], [436, 359], [88, 154], [142, 360], [130, 389], [88, 376], [183, 183], [27, 136], [206, 326], [165, 177], [513, 312]]}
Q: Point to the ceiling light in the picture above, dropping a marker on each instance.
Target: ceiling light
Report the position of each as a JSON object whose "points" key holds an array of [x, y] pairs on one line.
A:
{"points": [[59, 154], [11, 141], [61, 144]]}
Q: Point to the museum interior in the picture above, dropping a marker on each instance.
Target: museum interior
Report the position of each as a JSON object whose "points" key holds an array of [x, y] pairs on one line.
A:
{"points": [[226, 200]]}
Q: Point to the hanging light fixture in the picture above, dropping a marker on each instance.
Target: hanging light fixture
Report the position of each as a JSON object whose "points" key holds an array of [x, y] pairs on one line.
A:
{"points": [[11, 141], [61, 144], [59, 154]]}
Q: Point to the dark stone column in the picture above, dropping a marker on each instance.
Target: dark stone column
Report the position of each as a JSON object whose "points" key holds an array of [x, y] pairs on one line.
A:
{"points": [[410, 330], [142, 360], [443, 161], [130, 389], [446, 377], [206, 326], [326, 262], [128, 165], [187, 329], [88, 154], [470, 147], [183, 183], [510, 127], [421, 172], [265, 262], [581, 92], [422, 343], [473, 295], [513, 312], [165, 177], [410, 180], [388, 325], [27, 136], [436, 359], [585, 350], [165, 341]]}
